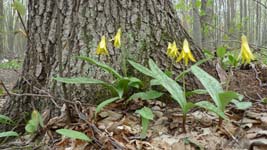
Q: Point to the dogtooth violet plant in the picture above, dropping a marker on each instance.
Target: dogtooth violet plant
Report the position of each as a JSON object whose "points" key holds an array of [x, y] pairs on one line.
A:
{"points": [[7, 121], [118, 87], [74, 134], [220, 97], [227, 59], [35, 121], [245, 53], [146, 115], [169, 84]]}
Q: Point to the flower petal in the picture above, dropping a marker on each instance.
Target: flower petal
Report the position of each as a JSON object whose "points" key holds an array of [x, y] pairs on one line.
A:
{"points": [[117, 39], [102, 47]]}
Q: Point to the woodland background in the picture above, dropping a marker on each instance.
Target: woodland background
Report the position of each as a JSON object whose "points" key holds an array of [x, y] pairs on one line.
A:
{"points": [[211, 23]]}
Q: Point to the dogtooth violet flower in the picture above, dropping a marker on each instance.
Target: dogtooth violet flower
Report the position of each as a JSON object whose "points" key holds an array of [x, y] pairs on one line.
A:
{"points": [[172, 50], [102, 47], [245, 52], [117, 39], [186, 54]]}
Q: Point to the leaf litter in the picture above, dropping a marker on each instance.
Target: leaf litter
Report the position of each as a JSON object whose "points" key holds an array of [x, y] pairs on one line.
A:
{"points": [[118, 127]]}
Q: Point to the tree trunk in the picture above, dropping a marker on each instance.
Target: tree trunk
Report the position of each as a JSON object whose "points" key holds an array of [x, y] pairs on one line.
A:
{"points": [[60, 30], [245, 12], [206, 21], [197, 34], [258, 24], [1, 28]]}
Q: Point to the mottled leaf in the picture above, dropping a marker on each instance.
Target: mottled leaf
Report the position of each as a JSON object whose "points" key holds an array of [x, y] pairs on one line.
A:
{"points": [[73, 134]]}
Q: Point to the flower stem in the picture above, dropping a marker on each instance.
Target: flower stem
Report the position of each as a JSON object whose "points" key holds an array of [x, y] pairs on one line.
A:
{"points": [[184, 121], [220, 122], [184, 114], [145, 123]]}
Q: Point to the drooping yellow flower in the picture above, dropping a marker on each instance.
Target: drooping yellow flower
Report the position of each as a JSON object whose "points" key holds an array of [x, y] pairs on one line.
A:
{"points": [[169, 48], [186, 54], [172, 50], [102, 47], [117, 39], [245, 52]]}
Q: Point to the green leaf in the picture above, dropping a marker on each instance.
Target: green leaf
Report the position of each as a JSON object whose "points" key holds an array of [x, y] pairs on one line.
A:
{"points": [[210, 107], [8, 134], [31, 126], [202, 13], [182, 74], [146, 95], [79, 80], [221, 52], [17, 5], [208, 53], [41, 121], [264, 100], [226, 98], [233, 61], [169, 84], [188, 107], [101, 65], [122, 86], [210, 84], [5, 120], [85, 80], [154, 82], [1, 91], [141, 68], [242, 105], [198, 3], [197, 91], [135, 82], [13, 64], [168, 73], [37, 118], [146, 112], [105, 103], [73, 134]]}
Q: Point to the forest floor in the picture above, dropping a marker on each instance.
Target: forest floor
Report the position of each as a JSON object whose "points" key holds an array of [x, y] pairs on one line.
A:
{"points": [[118, 127]]}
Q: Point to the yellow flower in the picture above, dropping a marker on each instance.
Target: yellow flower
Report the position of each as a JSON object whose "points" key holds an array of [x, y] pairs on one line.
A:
{"points": [[102, 47], [186, 54], [117, 39], [172, 50], [245, 53]]}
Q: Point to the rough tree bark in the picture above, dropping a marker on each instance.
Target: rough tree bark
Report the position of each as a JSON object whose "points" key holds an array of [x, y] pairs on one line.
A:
{"points": [[206, 21], [60, 30]]}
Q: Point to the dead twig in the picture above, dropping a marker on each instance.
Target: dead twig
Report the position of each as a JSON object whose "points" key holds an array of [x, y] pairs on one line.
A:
{"points": [[98, 131], [257, 77], [4, 87]]}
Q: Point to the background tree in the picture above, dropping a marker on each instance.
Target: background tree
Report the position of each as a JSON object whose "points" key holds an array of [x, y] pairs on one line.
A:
{"points": [[11, 37], [1, 28], [223, 22]]}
